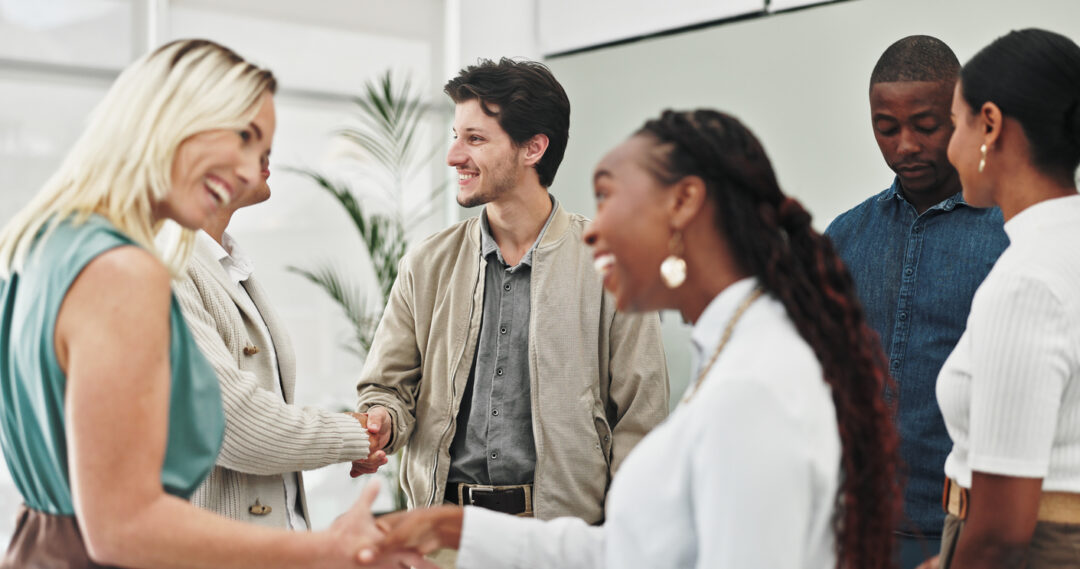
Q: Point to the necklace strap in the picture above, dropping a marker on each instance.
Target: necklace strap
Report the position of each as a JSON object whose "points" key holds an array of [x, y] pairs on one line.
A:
{"points": [[724, 338]]}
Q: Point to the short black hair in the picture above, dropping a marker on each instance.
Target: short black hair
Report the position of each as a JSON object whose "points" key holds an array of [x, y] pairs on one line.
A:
{"points": [[530, 102], [916, 58]]}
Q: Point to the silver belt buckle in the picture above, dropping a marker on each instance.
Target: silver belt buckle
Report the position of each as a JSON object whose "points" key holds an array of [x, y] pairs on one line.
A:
{"points": [[478, 488]]}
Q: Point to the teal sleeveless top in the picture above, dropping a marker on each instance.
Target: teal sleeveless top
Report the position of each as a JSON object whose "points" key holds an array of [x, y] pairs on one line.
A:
{"points": [[32, 383]]}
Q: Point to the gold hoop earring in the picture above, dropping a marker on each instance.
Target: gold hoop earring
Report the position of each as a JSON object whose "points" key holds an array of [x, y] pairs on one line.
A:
{"points": [[673, 269], [982, 161]]}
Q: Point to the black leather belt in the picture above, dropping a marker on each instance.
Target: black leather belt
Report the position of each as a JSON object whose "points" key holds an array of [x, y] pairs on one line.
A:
{"points": [[515, 500]]}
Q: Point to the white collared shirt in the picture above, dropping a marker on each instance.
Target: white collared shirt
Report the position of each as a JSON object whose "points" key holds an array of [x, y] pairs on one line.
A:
{"points": [[745, 474], [1010, 390], [239, 267]]}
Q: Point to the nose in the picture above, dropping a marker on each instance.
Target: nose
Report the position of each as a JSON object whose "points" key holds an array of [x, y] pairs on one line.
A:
{"points": [[455, 156], [909, 143], [590, 236]]}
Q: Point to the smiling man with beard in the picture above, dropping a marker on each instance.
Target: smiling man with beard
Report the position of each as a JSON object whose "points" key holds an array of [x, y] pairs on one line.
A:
{"points": [[917, 252], [501, 365]]}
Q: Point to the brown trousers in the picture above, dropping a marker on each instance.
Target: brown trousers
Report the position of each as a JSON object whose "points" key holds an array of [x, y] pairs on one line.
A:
{"points": [[1053, 545], [46, 541]]}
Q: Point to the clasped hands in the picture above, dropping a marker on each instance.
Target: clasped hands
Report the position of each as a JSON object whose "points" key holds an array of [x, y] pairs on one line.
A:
{"points": [[415, 532], [394, 541], [379, 426]]}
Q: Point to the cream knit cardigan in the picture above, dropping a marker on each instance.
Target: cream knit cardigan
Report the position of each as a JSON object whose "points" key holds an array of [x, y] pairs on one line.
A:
{"points": [[265, 436]]}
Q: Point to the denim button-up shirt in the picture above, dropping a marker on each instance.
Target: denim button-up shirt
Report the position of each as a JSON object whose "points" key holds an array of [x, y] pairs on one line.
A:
{"points": [[915, 275]]}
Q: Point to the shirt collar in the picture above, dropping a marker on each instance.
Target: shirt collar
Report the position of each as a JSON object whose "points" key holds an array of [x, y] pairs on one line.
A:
{"points": [[710, 325], [489, 246], [232, 258], [948, 204]]}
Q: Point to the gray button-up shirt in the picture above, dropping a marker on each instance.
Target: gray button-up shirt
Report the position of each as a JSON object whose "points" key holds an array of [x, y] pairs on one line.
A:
{"points": [[494, 440]]}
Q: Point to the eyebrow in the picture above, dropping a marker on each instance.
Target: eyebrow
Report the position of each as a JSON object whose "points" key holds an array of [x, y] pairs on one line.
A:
{"points": [[258, 131], [601, 174]]}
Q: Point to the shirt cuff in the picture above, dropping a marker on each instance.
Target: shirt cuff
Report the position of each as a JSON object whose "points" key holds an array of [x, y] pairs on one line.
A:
{"points": [[490, 539], [354, 437]]}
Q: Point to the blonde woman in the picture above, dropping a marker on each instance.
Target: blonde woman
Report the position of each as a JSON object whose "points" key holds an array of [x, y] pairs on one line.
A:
{"points": [[110, 415]]}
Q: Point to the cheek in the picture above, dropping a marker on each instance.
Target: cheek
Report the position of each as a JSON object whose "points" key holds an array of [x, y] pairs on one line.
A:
{"points": [[887, 147]]}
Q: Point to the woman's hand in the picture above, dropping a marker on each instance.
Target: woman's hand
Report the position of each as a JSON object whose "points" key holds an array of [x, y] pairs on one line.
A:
{"points": [[424, 530], [357, 529]]}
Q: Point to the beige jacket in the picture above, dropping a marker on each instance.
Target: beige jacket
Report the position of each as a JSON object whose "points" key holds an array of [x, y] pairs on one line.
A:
{"points": [[598, 378], [265, 436]]}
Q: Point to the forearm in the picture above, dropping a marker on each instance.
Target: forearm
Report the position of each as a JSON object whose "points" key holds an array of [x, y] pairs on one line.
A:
{"points": [[266, 436], [169, 533]]}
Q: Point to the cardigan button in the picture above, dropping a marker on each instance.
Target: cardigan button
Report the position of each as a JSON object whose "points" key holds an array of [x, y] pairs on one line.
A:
{"points": [[258, 509], [251, 350]]}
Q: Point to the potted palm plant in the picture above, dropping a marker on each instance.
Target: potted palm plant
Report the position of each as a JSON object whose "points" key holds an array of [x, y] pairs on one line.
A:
{"points": [[388, 134]]}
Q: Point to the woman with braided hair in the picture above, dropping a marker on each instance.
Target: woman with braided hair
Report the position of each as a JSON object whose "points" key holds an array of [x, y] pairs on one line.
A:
{"points": [[782, 453]]}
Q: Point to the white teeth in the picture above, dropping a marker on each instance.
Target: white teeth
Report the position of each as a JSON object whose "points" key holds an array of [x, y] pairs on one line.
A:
{"points": [[466, 176], [219, 190], [603, 264]]}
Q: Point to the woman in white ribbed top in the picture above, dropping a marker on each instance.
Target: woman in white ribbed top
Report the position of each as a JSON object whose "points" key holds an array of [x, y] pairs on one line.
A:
{"points": [[1010, 391], [782, 452]]}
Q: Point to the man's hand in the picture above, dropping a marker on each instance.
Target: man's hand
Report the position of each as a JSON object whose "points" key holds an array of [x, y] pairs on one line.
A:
{"points": [[379, 428]]}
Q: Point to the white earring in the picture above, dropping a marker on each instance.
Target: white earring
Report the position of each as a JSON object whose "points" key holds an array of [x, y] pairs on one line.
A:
{"points": [[982, 161], [673, 269]]}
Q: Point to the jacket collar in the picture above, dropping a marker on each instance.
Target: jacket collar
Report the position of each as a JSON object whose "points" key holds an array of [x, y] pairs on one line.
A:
{"points": [[557, 228]]}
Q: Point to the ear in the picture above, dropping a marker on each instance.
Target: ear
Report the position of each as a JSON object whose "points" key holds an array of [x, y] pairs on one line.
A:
{"points": [[992, 120], [535, 148], [688, 197]]}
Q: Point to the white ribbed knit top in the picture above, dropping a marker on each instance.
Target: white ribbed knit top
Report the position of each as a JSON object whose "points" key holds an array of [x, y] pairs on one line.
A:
{"points": [[1010, 391]]}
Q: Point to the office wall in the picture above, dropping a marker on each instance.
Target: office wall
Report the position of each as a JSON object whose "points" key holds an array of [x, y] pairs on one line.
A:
{"points": [[798, 79]]}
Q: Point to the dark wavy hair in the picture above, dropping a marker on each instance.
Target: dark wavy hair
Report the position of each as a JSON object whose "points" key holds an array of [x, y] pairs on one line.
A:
{"points": [[1033, 76], [770, 237], [530, 101]]}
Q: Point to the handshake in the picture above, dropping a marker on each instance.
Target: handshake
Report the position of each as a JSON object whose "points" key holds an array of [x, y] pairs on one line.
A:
{"points": [[398, 539], [380, 427]]}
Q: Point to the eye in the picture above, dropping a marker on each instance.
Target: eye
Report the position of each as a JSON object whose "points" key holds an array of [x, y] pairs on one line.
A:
{"points": [[927, 128], [475, 138], [245, 135]]}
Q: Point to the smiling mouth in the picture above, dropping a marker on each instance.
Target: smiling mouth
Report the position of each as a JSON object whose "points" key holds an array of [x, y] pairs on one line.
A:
{"points": [[219, 190], [603, 264]]}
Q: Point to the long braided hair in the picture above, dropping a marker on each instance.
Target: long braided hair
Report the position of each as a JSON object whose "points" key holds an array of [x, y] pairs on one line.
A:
{"points": [[770, 237]]}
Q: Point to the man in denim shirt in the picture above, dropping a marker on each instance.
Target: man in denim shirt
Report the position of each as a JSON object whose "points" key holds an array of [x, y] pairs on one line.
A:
{"points": [[917, 252]]}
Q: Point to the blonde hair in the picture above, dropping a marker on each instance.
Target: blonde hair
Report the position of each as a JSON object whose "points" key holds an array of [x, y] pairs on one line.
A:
{"points": [[121, 165]]}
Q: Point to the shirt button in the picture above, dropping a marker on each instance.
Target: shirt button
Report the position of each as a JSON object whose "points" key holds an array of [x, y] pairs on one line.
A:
{"points": [[494, 455], [495, 412], [506, 287], [918, 229], [896, 364], [909, 271], [499, 371], [502, 330], [902, 316]]}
